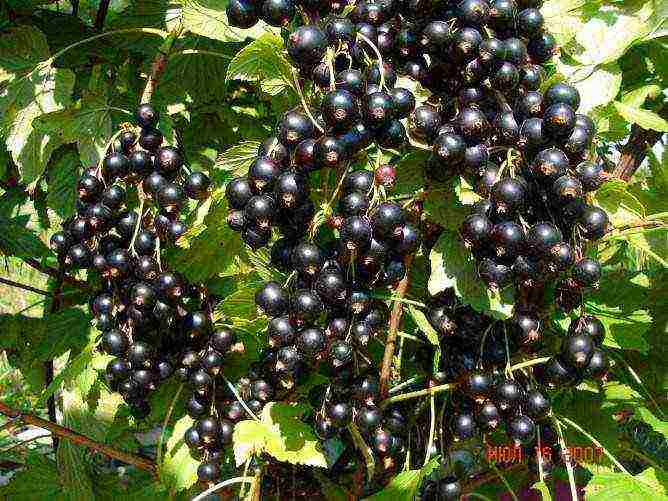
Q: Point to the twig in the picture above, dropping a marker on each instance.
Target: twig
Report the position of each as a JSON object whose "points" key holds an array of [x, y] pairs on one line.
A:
{"points": [[77, 438], [56, 304], [53, 272], [432, 428], [159, 64], [395, 320], [567, 460], [101, 14], [505, 482], [634, 151], [18, 285]]}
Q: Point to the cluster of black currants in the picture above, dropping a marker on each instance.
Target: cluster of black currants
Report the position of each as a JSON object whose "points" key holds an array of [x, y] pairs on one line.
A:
{"points": [[146, 314], [279, 13], [531, 226], [475, 355], [275, 192]]}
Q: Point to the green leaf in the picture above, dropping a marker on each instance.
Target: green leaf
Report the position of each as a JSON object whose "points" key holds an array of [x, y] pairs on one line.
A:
{"points": [[207, 18], [43, 90], [621, 306], [238, 158], [606, 485], [410, 172], [563, 18], [619, 203], [88, 124], [424, 325], [453, 266], [280, 434], [260, 60], [62, 176], [178, 470], [635, 98], [17, 240], [599, 87], [210, 248], [405, 485], [21, 48], [644, 118], [39, 480], [605, 37], [544, 490]]}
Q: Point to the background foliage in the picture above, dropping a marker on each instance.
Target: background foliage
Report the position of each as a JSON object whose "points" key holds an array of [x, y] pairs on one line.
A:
{"points": [[62, 94]]}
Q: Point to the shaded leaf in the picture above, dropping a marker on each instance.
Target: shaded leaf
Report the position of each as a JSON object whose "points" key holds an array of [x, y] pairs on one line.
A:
{"points": [[644, 118], [178, 469], [453, 266]]}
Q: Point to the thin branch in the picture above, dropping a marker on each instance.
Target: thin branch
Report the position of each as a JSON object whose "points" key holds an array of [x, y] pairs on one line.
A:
{"points": [[53, 272], [55, 305], [18, 285], [159, 65], [633, 153], [77, 438], [101, 14], [168, 416], [395, 320]]}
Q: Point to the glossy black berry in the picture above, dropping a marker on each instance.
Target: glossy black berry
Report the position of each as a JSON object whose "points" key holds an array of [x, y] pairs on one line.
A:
{"points": [[307, 45], [242, 13], [260, 211], [509, 395], [328, 152], [577, 350], [589, 325], [150, 139], [463, 426], [378, 109], [340, 109], [355, 233], [537, 405], [238, 192], [305, 306], [404, 102], [340, 414], [549, 164], [562, 93], [594, 222], [115, 165], [197, 185], [509, 195], [272, 299], [522, 430], [529, 22], [586, 272], [591, 175], [171, 197], [598, 365]]}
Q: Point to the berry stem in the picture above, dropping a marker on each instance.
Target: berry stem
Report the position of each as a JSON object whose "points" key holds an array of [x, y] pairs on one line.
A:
{"points": [[18, 285], [432, 428], [77, 438], [378, 55], [395, 320], [168, 416], [498, 473], [298, 88], [218, 486], [241, 400], [567, 460], [418, 394], [364, 449]]}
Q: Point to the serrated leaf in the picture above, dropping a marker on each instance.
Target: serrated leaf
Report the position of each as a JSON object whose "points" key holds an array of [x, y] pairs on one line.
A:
{"points": [[595, 38], [410, 172], [44, 90], [208, 249], [178, 469], [621, 306], [62, 178], [280, 434], [39, 480], [88, 124], [563, 18], [619, 203], [452, 265], [599, 88], [644, 118], [17, 240], [424, 325], [208, 18], [21, 48], [238, 158], [261, 59], [607, 484], [635, 98], [405, 485]]}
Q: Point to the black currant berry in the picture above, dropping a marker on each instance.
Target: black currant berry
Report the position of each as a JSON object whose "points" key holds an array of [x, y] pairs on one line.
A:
{"points": [[306, 45], [577, 350], [272, 299], [463, 426], [522, 430], [242, 13], [509, 395], [594, 222], [589, 325], [537, 405], [197, 185]]}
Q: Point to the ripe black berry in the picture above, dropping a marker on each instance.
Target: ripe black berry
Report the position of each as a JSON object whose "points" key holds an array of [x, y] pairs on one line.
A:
{"points": [[146, 115], [242, 13], [577, 350], [522, 430], [306, 45], [594, 222], [509, 395], [272, 299]]}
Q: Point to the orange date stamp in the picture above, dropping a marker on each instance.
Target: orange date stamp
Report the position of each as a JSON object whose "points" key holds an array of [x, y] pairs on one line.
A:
{"points": [[512, 454]]}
